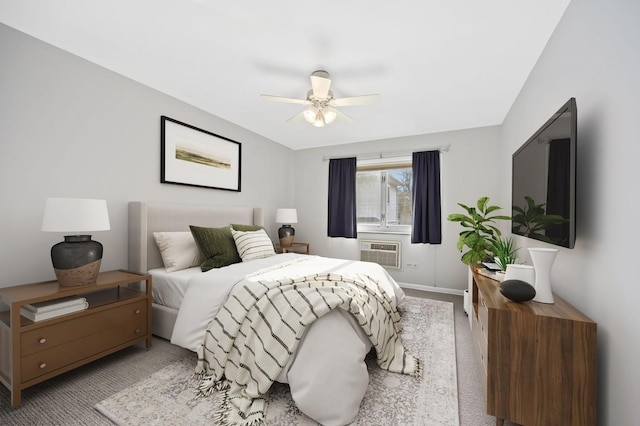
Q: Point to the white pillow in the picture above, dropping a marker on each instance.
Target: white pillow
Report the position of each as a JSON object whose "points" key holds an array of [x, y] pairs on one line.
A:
{"points": [[178, 250], [253, 244]]}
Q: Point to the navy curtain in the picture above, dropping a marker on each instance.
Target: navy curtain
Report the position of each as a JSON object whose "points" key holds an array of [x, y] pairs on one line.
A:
{"points": [[342, 198], [426, 198]]}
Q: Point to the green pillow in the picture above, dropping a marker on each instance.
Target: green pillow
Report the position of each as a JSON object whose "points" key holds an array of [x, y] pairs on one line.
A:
{"points": [[216, 245], [246, 228]]}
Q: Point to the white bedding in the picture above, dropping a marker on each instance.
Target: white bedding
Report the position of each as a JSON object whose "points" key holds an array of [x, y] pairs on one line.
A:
{"points": [[327, 385], [169, 287], [207, 291]]}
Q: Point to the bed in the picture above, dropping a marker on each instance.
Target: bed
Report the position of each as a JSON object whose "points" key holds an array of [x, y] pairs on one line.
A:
{"points": [[328, 386]]}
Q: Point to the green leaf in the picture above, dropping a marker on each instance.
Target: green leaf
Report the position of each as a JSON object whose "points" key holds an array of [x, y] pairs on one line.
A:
{"points": [[482, 202], [499, 218], [492, 209], [458, 217]]}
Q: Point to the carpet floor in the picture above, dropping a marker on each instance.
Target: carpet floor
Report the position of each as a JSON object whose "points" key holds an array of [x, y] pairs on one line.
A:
{"points": [[167, 397]]}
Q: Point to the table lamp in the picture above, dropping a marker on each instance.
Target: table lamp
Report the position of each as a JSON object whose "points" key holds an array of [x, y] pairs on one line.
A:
{"points": [[286, 217], [76, 260]]}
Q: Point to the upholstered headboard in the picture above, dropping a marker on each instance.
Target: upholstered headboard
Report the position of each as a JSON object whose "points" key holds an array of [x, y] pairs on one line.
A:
{"points": [[147, 218]]}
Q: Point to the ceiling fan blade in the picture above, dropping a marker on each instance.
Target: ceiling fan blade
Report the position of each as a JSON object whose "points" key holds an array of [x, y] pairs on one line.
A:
{"points": [[356, 100], [286, 100], [320, 83], [343, 117], [297, 117]]}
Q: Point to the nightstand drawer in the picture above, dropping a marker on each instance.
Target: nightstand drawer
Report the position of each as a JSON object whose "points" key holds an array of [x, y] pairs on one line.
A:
{"points": [[48, 360], [62, 332]]}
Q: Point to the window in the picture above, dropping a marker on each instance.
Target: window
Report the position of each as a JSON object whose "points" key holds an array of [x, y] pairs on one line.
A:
{"points": [[384, 196]]}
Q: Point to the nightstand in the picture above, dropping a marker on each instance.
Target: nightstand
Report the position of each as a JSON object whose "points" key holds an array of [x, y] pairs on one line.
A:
{"points": [[302, 248], [117, 316]]}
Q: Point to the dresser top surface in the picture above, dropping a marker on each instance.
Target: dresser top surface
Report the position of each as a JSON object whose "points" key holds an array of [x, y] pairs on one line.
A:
{"points": [[490, 290]]}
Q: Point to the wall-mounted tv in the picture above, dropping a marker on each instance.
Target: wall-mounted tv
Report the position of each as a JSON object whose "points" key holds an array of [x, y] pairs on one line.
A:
{"points": [[544, 181]]}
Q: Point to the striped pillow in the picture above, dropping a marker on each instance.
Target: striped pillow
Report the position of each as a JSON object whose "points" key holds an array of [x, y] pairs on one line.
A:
{"points": [[253, 244]]}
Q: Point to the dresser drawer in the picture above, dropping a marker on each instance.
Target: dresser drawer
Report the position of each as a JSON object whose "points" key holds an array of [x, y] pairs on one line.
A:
{"points": [[480, 343], [483, 315], [480, 348], [47, 337], [48, 360]]}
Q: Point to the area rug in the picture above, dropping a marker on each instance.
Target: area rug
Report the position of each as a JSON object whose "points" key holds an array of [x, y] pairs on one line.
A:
{"points": [[167, 397]]}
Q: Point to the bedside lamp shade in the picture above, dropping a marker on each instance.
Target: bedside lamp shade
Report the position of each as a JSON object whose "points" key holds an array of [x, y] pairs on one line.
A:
{"points": [[286, 233], [76, 260]]}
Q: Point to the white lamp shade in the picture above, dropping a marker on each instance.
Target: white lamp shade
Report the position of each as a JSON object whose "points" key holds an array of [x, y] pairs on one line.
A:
{"points": [[286, 216], [75, 215]]}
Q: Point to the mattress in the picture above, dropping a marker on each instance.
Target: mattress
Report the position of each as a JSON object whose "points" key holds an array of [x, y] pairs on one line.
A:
{"points": [[168, 288]]}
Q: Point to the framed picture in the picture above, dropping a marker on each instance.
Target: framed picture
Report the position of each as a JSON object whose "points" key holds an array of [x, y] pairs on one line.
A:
{"points": [[192, 156]]}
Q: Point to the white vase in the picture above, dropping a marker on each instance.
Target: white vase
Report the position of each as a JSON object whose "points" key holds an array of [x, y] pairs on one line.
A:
{"points": [[520, 272], [542, 259]]}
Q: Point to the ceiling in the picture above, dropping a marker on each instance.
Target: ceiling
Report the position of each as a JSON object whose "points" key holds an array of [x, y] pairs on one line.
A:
{"points": [[438, 65]]}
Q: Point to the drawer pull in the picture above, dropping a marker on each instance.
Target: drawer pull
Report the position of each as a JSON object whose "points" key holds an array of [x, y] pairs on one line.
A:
{"points": [[43, 340], [137, 331], [137, 311], [43, 365]]}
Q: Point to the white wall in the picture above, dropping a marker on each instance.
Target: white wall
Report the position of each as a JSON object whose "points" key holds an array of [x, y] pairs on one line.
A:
{"points": [[594, 56], [62, 117], [468, 172], [69, 128]]}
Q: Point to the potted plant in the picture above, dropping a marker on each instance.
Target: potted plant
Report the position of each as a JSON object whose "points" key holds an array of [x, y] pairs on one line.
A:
{"points": [[479, 233], [504, 252]]}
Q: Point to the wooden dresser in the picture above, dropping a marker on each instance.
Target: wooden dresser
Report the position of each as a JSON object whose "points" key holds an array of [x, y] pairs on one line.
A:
{"points": [[117, 316], [537, 361]]}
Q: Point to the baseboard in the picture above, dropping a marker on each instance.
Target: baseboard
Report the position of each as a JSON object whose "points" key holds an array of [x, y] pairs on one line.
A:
{"points": [[433, 289]]}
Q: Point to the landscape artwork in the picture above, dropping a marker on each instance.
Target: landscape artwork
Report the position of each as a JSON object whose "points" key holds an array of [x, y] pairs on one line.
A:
{"points": [[196, 157]]}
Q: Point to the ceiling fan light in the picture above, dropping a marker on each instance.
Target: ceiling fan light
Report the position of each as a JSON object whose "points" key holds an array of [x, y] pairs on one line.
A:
{"points": [[310, 115], [319, 121], [329, 115]]}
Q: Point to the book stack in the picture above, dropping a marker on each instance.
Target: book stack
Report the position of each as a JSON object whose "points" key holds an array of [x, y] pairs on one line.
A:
{"points": [[53, 308]]}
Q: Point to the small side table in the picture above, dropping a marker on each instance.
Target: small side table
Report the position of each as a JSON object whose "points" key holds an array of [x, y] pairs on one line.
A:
{"points": [[302, 248], [117, 316]]}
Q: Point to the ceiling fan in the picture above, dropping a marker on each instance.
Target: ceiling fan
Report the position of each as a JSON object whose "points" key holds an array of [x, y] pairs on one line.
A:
{"points": [[321, 103]]}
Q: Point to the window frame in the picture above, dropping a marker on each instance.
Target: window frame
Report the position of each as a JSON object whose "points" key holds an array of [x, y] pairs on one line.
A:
{"points": [[380, 164]]}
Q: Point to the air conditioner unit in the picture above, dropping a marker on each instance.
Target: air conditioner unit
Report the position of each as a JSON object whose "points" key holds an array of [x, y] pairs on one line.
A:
{"points": [[384, 253]]}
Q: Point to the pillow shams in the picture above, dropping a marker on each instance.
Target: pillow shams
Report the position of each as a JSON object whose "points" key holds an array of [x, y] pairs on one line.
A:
{"points": [[244, 228], [178, 250], [253, 244], [216, 245]]}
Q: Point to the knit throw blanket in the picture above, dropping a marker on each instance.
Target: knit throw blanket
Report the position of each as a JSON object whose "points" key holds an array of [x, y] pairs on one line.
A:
{"points": [[259, 327]]}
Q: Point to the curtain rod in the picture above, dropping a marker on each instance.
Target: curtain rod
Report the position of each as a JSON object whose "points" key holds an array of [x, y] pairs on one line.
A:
{"points": [[382, 154]]}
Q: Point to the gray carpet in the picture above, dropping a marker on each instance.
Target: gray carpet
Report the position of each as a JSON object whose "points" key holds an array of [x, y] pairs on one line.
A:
{"points": [[168, 397], [69, 399]]}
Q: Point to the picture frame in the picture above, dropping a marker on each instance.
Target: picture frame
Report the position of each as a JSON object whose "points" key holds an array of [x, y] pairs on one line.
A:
{"points": [[195, 157]]}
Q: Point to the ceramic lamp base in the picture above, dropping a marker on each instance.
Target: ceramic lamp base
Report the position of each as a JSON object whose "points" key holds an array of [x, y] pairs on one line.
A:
{"points": [[76, 260], [84, 275], [286, 234]]}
